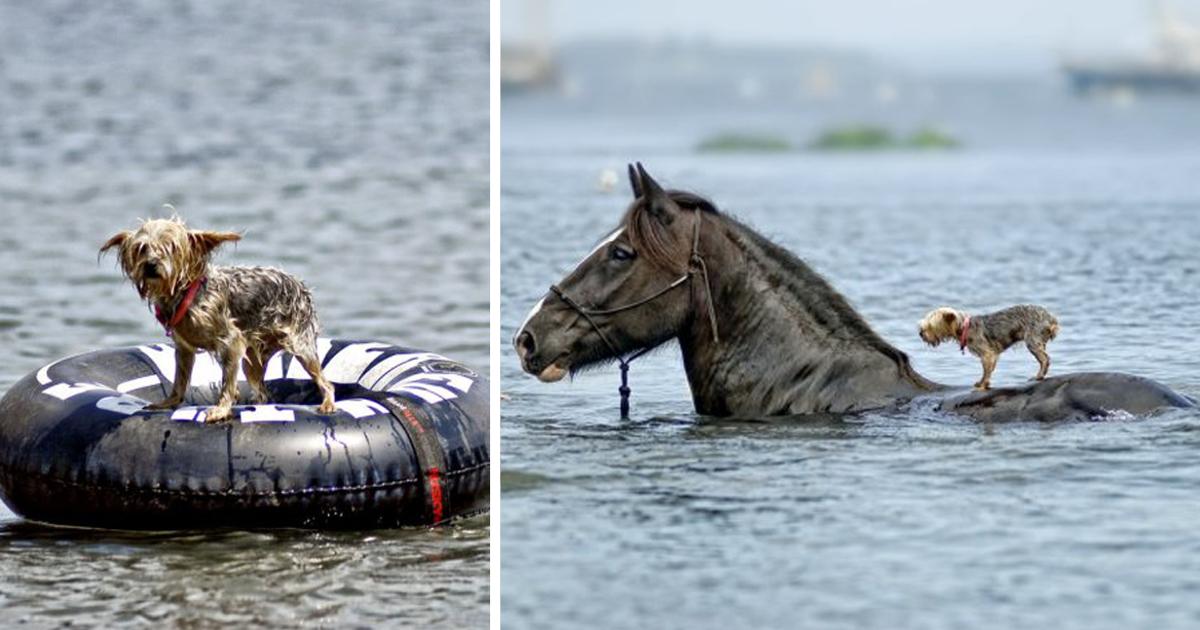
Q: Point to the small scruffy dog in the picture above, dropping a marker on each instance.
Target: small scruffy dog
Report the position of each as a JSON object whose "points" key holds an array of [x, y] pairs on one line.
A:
{"points": [[238, 313], [986, 336]]}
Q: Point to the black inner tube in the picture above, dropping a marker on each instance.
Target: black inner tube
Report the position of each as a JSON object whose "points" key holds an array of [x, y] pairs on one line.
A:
{"points": [[408, 444]]}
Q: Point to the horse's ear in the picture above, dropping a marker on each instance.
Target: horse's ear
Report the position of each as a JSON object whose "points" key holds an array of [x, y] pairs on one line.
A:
{"points": [[633, 182], [657, 201]]}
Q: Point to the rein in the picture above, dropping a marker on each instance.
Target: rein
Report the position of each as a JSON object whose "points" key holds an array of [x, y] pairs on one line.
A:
{"points": [[696, 265]]}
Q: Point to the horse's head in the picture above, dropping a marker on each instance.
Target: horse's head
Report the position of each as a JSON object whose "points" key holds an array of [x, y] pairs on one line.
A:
{"points": [[627, 295]]}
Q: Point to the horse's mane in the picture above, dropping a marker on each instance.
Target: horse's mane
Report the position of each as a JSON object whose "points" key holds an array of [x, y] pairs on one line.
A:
{"points": [[830, 309], [662, 247], [811, 288]]}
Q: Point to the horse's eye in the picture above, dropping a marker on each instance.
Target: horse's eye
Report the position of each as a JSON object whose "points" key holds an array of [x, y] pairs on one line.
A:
{"points": [[620, 253]]}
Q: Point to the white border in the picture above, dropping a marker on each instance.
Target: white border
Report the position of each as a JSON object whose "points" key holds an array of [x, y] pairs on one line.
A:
{"points": [[494, 328]]}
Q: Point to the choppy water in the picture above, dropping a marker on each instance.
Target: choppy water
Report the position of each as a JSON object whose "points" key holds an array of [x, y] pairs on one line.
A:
{"points": [[915, 520], [349, 142]]}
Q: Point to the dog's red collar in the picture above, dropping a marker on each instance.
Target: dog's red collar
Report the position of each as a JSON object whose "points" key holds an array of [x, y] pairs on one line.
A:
{"points": [[962, 336], [182, 309]]}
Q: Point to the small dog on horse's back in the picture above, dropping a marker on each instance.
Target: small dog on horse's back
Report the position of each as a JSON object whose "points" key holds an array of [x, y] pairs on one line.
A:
{"points": [[987, 336], [238, 313]]}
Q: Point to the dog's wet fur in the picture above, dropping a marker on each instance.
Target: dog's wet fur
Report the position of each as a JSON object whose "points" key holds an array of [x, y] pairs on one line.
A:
{"points": [[990, 335], [241, 314]]}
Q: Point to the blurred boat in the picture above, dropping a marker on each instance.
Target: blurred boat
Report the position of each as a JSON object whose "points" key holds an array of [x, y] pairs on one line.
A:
{"points": [[530, 63], [1172, 66], [526, 67]]}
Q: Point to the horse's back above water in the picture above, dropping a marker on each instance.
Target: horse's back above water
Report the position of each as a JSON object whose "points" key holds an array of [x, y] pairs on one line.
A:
{"points": [[1081, 396]]}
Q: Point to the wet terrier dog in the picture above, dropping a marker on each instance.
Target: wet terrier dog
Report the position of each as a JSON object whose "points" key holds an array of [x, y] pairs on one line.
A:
{"points": [[986, 336], [241, 314]]}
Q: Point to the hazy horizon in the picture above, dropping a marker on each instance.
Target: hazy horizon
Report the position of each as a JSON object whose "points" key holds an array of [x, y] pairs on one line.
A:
{"points": [[1017, 36]]}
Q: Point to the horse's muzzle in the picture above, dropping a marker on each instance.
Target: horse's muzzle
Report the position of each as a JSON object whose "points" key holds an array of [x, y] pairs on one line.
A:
{"points": [[526, 346]]}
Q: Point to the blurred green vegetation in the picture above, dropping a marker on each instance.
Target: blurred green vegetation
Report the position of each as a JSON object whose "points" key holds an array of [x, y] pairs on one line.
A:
{"points": [[873, 138], [933, 138], [857, 137], [744, 143]]}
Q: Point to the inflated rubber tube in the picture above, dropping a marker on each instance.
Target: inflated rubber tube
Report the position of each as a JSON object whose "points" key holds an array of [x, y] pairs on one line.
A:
{"points": [[408, 444]]}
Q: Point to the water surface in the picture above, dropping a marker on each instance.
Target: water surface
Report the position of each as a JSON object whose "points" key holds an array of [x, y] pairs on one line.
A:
{"points": [[349, 144]]}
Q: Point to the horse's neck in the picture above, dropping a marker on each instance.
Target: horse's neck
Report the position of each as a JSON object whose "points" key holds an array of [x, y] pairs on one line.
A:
{"points": [[789, 344]]}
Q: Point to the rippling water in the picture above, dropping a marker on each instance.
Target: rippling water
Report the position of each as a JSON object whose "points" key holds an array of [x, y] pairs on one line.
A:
{"points": [[349, 143], [913, 519], [273, 579]]}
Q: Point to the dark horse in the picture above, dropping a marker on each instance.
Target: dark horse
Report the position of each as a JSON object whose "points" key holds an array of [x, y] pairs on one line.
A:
{"points": [[761, 332]]}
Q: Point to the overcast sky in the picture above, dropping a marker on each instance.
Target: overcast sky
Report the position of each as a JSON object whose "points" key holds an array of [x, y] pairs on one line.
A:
{"points": [[939, 34]]}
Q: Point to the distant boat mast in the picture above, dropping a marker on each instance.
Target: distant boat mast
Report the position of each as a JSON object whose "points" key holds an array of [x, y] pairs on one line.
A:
{"points": [[1178, 39]]}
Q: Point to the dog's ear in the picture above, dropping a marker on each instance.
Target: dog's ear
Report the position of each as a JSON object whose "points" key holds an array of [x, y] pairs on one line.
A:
{"points": [[116, 241], [950, 317], [206, 240]]}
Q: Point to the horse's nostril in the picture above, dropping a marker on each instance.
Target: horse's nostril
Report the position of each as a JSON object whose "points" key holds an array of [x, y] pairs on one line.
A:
{"points": [[526, 344]]}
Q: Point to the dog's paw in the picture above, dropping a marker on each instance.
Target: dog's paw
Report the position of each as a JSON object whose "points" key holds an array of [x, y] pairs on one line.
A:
{"points": [[218, 414], [981, 387], [326, 408], [163, 405]]}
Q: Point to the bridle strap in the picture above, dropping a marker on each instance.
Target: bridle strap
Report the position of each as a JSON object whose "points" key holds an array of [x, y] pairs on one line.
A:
{"points": [[698, 260], [696, 265], [609, 311], [587, 315]]}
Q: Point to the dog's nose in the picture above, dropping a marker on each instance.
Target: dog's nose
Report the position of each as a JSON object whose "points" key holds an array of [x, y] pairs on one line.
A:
{"points": [[526, 344], [150, 270]]}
